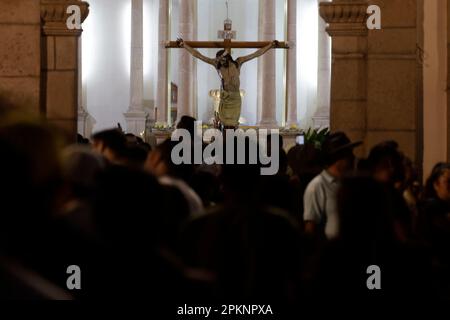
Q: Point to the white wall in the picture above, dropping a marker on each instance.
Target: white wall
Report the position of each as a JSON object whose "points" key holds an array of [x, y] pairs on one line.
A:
{"points": [[106, 57], [307, 60], [151, 23], [106, 60]]}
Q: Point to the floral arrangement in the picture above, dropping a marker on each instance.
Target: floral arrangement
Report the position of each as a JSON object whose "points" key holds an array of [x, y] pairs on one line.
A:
{"points": [[316, 137], [292, 128], [161, 126]]}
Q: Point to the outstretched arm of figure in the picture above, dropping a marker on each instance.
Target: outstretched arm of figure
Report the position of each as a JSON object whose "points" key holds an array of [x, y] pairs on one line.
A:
{"points": [[256, 54], [195, 53]]}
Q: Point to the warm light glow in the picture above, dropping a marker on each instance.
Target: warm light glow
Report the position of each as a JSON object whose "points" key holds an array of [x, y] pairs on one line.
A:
{"points": [[107, 47], [106, 62]]}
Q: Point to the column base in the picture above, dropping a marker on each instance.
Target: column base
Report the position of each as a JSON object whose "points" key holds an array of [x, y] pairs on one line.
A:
{"points": [[85, 123], [268, 124], [82, 118], [321, 122], [136, 121]]}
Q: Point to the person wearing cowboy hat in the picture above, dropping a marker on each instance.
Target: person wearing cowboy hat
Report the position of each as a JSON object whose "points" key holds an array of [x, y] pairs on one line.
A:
{"points": [[320, 209]]}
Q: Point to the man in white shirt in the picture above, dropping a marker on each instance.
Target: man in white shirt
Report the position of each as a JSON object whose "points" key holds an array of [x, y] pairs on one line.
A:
{"points": [[320, 206]]}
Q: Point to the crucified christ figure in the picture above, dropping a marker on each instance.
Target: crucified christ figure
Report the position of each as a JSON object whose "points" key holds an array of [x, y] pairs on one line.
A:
{"points": [[229, 72]]}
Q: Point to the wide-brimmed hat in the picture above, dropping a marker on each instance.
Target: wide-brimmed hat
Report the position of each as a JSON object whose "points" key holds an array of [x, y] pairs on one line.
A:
{"points": [[338, 143]]}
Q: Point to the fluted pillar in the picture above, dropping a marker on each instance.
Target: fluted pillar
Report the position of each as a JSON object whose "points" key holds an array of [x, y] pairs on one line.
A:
{"points": [[162, 86], [267, 67], [292, 64], [135, 115], [186, 62]]}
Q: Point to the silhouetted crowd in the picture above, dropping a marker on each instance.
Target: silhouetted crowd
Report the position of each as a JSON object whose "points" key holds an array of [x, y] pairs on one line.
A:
{"points": [[139, 226]]}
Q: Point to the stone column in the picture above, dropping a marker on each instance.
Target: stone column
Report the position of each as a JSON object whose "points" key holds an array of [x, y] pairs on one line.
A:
{"points": [[292, 64], [60, 64], [20, 55], [395, 77], [376, 78], [348, 29], [267, 68], [186, 62], [321, 118], [162, 86], [135, 115]]}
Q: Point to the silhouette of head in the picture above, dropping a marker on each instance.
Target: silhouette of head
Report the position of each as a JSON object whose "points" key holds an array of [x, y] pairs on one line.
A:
{"points": [[223, 60]]}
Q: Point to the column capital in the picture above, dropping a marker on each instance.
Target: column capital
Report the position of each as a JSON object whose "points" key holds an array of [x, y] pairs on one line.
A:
{"points": [[54, 17], [345, 18]]}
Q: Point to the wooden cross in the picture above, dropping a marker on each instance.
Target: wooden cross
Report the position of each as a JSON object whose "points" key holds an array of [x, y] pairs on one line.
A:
{"points": [[227, 44]]}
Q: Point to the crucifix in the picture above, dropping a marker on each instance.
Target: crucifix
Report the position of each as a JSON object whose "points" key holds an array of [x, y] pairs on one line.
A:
{"points": [[228, 68]]}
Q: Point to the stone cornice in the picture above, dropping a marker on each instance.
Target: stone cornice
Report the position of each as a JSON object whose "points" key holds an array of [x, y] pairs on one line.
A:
{"points": [[54, 17], [345, 18]]}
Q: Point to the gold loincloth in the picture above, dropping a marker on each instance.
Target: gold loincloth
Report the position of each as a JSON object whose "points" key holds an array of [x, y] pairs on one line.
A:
{"points": [[230, 107]]}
